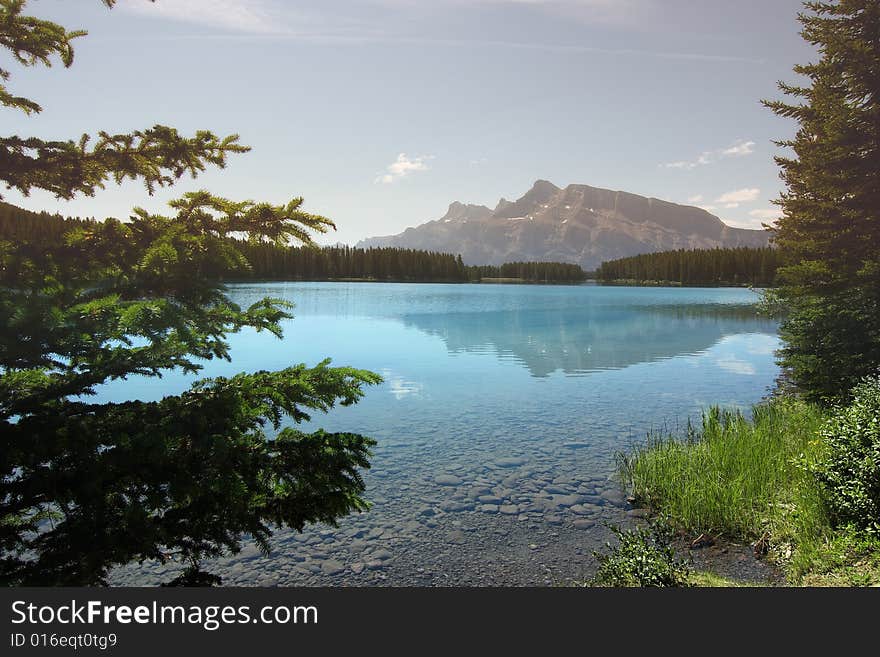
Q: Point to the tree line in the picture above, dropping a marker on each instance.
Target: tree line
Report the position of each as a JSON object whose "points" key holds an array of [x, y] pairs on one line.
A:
{"points": [[535, 272], [268, 261], [20, 225], [731, 266]]}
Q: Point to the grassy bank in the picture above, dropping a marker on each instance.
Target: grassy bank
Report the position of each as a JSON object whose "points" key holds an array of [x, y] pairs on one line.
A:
{"points": [[633, 282], [754, 480]]}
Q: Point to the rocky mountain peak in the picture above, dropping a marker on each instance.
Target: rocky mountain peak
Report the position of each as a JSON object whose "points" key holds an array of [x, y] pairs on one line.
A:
{"points": [[580, 224], [543, 188], [503, 203], [541, 194], [459, 211]]}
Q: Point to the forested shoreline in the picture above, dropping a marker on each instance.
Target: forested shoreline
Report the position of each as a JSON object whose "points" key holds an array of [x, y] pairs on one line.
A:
{"points": [[311, 263], [330, 263], [739, 266]]}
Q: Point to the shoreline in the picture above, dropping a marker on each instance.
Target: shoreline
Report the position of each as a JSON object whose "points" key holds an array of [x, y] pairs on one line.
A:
{"points": [[508, 281], [739, 483], [485, 281], [654, 283]]}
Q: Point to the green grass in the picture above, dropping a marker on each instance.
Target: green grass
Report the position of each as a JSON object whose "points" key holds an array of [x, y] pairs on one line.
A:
{"points": [[712, 580], [847, 557], [744, 479]]}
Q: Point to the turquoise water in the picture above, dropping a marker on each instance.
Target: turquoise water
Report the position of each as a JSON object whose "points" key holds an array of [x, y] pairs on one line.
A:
{"points": [[516, 394]]}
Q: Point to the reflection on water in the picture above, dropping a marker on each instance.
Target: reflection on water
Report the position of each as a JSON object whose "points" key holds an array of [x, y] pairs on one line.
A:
{"points": [[575, 330], [499, 419], [583, 339]]}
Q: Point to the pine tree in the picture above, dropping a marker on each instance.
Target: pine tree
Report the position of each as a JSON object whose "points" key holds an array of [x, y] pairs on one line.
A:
{"points": [[86, 486], [829, 234], [730, 266]]}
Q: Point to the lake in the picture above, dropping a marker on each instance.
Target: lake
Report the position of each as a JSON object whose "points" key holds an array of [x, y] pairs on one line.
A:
{"points": [[498, 422]]}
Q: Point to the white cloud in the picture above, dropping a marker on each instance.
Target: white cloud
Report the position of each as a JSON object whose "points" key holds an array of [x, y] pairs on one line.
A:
{"points": [[751, 224], [250, 16], [739, 196], [730, 206], [696, 199], [402, 167], [766, 214], [738, 149], [702, 160], [709, 208]]}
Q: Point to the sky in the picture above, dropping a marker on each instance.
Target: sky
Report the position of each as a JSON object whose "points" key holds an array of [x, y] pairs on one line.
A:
{"points": [[380, 113]]}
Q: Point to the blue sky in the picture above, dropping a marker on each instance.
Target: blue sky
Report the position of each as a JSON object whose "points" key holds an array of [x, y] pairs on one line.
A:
{"points": [[382, 112]]}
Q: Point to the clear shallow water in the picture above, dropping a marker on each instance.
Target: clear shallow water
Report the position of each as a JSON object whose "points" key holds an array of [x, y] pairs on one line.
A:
{"points": [[501, 412]]}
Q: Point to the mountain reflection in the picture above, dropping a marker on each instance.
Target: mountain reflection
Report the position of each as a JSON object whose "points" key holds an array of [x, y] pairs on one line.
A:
{"points": [[579, 340]]}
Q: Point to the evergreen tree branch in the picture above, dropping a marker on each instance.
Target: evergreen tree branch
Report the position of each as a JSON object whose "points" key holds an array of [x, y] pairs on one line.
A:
{"points": [[159, 156]]}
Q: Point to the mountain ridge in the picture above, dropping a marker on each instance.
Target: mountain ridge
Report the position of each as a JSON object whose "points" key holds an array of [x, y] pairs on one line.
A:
{"points": [[579, 224]]}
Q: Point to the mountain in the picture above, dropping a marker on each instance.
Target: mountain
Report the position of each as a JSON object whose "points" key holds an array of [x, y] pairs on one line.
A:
{"points": [[580, 224]]}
